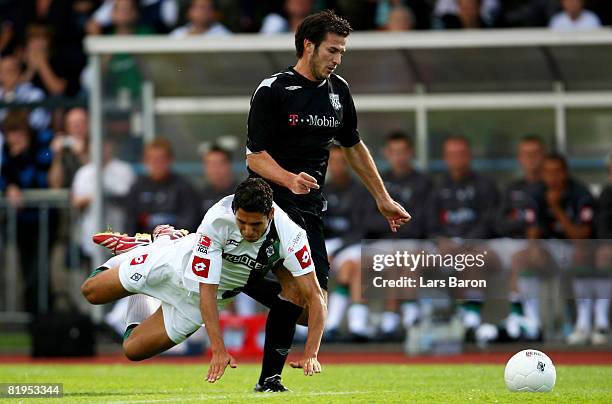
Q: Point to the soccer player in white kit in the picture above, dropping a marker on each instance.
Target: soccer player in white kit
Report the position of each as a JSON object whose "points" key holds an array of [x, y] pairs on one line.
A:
{"points": [[240, 239]]}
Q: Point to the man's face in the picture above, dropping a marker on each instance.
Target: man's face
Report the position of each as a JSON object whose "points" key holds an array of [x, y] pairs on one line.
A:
{"points": [[572, 7], [399, 155], [554, 174], [252, 225], [457, 156], [217, 168], [298, 8], [77, 123], [469, 8], [530, 156], [201, 12], [158, 163], [124, 13], [327, 56], [9, 72]]}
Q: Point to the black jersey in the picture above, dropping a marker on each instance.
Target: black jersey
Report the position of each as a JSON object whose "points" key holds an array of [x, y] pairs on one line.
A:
{"points": [[209, 196], [604, 222], [296, 121], [342, 218], [412, 192], [520, 208], [150, 203], [577, 203], [464, 209]]}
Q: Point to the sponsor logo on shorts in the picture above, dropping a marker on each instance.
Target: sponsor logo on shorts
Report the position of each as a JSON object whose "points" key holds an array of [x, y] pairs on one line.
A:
{"points": [[283, 351], [136, 277], [200, 266], [139, 260], [202, 249], [204, 241], [303, 257]]}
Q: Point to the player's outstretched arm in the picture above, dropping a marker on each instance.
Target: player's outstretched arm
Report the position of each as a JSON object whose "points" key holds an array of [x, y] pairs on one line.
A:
{"points": [[313, 295], [210, 315], [263, 164], [362, 162]]}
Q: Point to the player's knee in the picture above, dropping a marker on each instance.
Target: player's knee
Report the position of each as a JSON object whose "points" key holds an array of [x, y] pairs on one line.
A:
{"points": [[131, 351], [90, 292]]}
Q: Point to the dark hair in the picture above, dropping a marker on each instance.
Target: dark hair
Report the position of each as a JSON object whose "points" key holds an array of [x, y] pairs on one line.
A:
{"points": [[457, 138], [215, 148], [253, 195], [532, 138], [316, 26], [399, 136], [16, 120], [558, 157], [160, 143]]}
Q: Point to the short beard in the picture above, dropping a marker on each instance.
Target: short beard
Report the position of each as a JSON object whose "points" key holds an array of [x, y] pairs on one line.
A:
{"points": [[313, 65]]}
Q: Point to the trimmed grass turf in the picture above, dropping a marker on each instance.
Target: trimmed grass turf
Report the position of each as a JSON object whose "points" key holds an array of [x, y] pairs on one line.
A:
{"points": [[338, 383]]}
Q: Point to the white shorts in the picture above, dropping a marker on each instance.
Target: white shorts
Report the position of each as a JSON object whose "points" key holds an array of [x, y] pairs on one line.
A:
{"points": [[156, 272]]}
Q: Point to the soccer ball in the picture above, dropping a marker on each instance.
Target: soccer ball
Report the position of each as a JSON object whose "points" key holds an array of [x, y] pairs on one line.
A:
{"points": [[530, 370]]}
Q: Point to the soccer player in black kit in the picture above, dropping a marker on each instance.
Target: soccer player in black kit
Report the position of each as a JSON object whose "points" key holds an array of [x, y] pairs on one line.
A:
{"points": [[295, 117]]}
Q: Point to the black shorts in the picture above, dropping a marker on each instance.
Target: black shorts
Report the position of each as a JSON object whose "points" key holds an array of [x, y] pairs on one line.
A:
{"points": [[306, 211]]}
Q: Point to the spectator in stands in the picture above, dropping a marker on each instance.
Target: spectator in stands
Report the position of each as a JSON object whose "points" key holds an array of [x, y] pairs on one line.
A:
{"points": [[45, 68], [117, 179], [463, 206], [202, 20], [14, 90], [568, 217], [25, 163], [526, 13], [161, 196], [220, 181], [70, 149], [518, 219], [294, 12], [411, 188], [603, 263], [574, 17], [122, 71], [401, 18], [465, 14], [396, 15], [341, 225], [157, 15]]}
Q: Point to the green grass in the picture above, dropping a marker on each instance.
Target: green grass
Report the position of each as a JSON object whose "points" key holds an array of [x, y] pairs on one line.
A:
{"points": [[15, 340], [338, 383]]}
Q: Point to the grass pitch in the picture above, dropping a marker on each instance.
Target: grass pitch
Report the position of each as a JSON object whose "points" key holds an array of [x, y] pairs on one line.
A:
{"points": [[139, 383]]}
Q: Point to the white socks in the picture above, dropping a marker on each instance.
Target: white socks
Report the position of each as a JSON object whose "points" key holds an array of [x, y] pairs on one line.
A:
{"points": [[336, 307]]}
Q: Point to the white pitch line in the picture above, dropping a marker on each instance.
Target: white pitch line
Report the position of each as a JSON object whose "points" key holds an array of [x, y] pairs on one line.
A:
{"points": [[251, 396]]}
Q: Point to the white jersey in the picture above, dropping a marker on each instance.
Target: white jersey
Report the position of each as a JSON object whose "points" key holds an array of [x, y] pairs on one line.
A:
{"points": [[222, 257]]}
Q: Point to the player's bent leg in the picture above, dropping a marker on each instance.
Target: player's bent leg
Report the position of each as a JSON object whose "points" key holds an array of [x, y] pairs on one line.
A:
{"points": [[148, 339], [104, 287]]}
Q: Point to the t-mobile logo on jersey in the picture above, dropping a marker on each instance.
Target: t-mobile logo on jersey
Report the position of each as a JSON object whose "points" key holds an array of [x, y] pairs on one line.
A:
{"points": [[314, 120]]}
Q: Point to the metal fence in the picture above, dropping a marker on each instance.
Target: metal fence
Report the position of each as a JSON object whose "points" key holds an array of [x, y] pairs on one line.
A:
{"points": [[57, 219]]}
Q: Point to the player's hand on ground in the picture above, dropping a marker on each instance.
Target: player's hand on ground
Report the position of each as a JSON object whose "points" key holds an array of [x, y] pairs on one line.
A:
{"points": [[302, 183], [310, 366], [218, 363], [395, 214]]}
